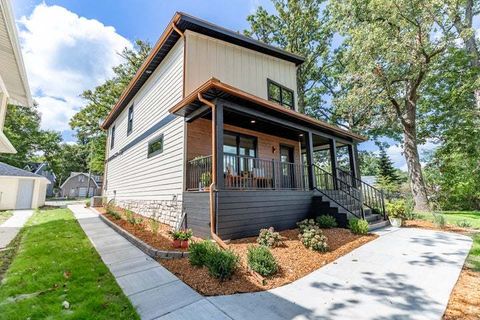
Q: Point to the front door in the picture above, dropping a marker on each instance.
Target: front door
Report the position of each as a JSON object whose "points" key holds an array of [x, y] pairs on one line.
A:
{"points": [[287, 167]]}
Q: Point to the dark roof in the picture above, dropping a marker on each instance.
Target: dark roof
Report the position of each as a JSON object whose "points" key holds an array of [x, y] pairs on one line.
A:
{"points": [[8, 170], [169, 38]]}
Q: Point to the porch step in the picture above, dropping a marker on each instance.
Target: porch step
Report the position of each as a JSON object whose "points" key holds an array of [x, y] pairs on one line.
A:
{"points": [[378, 225]]}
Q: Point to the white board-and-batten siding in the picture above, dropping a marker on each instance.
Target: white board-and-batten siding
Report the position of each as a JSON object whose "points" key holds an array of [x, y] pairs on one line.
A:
{"points": [[132, 175], [240, 67]]}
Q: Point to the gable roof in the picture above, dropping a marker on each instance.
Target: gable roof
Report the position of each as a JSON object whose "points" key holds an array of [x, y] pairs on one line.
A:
{"points": [[181, 22], [11, 171]]}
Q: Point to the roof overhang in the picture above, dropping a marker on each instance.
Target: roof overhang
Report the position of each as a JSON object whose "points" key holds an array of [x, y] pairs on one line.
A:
{"points": [[191, 107], [179, 23], [12, 68], [5, 145]]}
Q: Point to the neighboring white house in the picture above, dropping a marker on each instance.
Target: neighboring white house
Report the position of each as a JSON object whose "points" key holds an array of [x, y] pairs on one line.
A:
{"points": [[19, 189]]}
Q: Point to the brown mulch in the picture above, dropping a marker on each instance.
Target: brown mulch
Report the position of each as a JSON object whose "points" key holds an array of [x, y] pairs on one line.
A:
{"points": [[162, 240], [464, 303], [295, 261]]}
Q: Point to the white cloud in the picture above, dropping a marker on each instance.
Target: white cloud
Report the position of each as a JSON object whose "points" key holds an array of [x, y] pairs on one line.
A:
{"points": [[64, 55]]}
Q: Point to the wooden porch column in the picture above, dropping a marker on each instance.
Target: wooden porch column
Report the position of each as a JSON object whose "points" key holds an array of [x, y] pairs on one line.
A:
{"points": [[309, 149], [217, 118], [354, 164], [333, 161]]}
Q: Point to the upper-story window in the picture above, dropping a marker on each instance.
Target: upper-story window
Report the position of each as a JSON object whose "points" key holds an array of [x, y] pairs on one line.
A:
{"points": [[81, 178], [280, 94], [130, 120], [112, 137]]}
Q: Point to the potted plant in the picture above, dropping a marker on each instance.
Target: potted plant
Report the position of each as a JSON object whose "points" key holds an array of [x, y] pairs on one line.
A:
{"points": [[396, 211], [185, 236], [205, 180], [177, 243]]}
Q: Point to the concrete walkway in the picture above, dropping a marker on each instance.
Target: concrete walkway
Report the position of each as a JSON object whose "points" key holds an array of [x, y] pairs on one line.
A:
{"points": [[404, 274], [10, 228]]}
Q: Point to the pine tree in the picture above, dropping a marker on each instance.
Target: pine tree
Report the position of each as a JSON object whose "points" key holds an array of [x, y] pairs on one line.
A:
{"points": [[386, 170]]}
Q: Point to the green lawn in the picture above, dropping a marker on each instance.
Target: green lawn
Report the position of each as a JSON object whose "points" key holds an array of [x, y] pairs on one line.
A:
{"points": [[473, 260], [454, 217], [55, 262], [4, 215]]}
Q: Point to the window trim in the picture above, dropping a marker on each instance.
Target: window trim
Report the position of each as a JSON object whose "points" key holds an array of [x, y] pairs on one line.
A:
{"points": [[130, 120], [150, 142], [237, 141], [112, 137], [282, 88]]}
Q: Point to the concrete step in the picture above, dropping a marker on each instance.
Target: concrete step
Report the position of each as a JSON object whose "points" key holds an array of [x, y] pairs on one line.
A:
{"points": [[371, 218], [378, 225]]}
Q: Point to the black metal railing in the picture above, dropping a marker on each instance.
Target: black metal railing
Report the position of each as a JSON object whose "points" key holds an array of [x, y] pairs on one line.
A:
{"points": [[371, 197], [199, 173], [248, 173], [338, 191]]}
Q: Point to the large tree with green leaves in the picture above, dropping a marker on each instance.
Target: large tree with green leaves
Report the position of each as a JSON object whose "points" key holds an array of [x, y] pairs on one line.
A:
{"points": [[390, 47], [22, 128], [300, 27], [100, 101]]}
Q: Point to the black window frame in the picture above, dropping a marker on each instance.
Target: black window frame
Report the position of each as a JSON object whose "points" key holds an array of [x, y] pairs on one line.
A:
{"points": [[130, 120], [151, 142], [282, 89], [112, 137], [237, 141]]}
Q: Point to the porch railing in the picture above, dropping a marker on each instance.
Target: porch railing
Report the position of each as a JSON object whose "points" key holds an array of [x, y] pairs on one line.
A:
{"points": [[248, 173]]}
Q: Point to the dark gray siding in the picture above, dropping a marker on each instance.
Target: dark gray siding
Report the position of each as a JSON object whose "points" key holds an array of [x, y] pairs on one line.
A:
{"points": [[196, 205], [243, 213]]}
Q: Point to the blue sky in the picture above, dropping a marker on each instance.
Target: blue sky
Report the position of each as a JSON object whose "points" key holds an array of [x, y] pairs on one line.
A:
{"points": [[71, 45]]}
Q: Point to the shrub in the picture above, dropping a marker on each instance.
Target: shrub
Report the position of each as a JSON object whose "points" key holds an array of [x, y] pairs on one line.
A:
{"points": [[222, 264], [154, 225], [183, 235], [314, 239], [87, 203], [305, 224], [358, 226], [439, 220], [199, 252], [129, 216], [397, 209], [261, 260], [113, 212], [464, 224], [326, 221], [268, 237]]}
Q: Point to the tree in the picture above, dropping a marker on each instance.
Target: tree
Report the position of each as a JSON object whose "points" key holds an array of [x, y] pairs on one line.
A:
{"points": [[299, 26], [70, 158], [101, 100], [22, 128], [368, 163], [390, 47], [386, 170]]}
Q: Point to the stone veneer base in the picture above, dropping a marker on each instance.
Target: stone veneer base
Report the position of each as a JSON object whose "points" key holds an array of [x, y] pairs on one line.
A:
{"points": [[148, 249]]}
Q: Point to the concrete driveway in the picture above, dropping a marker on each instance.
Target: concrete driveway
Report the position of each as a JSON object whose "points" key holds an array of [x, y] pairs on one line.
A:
{"points": [[404, 274]]}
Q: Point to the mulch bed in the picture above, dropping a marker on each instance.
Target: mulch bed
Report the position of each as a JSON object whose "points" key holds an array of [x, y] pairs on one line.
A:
{"points": [[161, 241], [295, 261], [464, 303]]}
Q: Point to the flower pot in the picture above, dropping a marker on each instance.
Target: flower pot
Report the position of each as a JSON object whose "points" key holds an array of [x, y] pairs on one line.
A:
{"points": [[396, 222], [177, 243], [184, 244]]}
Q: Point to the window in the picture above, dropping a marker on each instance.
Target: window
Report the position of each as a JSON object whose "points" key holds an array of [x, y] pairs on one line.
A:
{"points": [[280, 94], [239, 150], [112, 137], [155, 146], [81, 178], [130, 120]]}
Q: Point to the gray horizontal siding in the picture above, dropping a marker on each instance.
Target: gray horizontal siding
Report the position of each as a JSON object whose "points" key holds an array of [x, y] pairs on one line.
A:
{"points": [[243, 213], [196, 205]]}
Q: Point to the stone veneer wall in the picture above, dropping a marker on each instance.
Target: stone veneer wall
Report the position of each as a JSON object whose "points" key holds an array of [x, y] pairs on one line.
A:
{"points": [[164, 211]]}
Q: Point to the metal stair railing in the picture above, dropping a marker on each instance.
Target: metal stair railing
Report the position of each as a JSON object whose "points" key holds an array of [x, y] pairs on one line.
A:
{"points": [[326, 181], [371, 197]]}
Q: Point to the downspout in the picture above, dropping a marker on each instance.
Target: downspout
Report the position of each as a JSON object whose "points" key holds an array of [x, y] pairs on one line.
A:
{"points": [[213, 219]]}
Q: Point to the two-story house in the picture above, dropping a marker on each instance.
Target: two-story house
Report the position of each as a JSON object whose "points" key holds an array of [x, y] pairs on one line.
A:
{"points": [[207, 135]]}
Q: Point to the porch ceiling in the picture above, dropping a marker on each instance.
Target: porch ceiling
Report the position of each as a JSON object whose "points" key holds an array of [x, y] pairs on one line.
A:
{"points": [[247, 105]]}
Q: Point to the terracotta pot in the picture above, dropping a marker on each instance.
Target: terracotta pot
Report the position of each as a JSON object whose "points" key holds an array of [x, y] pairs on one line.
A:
{"points": [[184, 244], [177, 243]]}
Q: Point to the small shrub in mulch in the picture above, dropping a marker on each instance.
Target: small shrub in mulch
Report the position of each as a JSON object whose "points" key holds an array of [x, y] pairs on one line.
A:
{"points": [[306, 224], [439, 220], [313, 239], [221, 264], [268, 237], [326, 222], [199, 252], [358, 226], [261, 260]]}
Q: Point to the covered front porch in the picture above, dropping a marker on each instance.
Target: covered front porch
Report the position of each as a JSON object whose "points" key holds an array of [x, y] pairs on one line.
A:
{"points": [[263, 163]]}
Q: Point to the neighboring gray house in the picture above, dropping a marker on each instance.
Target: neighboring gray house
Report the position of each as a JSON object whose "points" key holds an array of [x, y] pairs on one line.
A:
{"points": [[76, 186], [42, 169]]}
